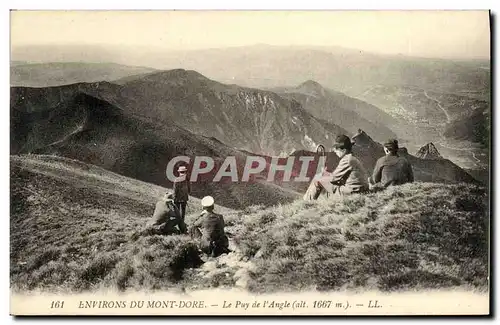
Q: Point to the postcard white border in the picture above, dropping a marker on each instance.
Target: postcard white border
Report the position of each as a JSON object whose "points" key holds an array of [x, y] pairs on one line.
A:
{"points": [[126, 4]]}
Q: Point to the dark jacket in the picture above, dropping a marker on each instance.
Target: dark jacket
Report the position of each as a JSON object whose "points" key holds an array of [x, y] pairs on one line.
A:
{"points": [[182, 189], [392, 170], [213, 240], [212, 225], [350, 174]]}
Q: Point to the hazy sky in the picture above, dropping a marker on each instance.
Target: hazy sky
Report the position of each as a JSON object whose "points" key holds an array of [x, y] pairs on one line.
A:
{"points": [[459, 34]]}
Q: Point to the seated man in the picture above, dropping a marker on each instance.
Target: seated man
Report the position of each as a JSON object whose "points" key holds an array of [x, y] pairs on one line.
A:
{"points": [[214, 241], [165, 218], [348, 177], [391, 169]]}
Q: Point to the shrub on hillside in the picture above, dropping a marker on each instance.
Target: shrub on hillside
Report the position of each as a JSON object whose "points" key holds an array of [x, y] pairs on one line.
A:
{"points": [[155, 262]]}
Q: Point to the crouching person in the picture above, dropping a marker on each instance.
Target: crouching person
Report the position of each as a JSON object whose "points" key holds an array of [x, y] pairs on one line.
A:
{"points": [[213, 239], [166, 219]]}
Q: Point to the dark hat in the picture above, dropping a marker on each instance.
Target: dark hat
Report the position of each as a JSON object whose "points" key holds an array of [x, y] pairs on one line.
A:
{"points": [[392, 144], [343, 142]]}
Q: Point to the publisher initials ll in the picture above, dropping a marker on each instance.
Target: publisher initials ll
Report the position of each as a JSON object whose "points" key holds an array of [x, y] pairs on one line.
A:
{"points": [[374, 304]]}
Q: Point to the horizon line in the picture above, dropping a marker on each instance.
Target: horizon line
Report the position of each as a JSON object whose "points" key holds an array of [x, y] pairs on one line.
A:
{"points": [[320, 48]]}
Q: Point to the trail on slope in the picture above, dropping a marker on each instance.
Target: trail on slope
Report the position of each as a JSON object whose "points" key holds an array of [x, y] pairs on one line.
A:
{"points": [[474, 156], [439, 105], [79, 128]]}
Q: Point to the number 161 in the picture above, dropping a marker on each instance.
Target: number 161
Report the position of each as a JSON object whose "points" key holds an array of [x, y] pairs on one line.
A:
{"points": [[57, 304]]}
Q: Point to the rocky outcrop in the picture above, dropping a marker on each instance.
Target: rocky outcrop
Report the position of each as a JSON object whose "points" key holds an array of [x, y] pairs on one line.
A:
{"points": [[429, 151]]}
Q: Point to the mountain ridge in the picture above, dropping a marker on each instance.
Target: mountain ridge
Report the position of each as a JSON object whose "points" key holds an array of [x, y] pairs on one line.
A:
{"points": [[252, 119], [338, 108], [132, 147], [110, 125]]}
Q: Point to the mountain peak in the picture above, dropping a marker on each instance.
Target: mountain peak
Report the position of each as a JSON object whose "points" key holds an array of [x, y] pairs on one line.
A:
{"points": [[362, 138], [311, 83], [311, 87], [175, 74], [429, 151], [183, 73]]}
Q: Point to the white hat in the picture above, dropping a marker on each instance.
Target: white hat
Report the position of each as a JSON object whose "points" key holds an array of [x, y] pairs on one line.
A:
{"points": [[207, 201], [182, 169]]}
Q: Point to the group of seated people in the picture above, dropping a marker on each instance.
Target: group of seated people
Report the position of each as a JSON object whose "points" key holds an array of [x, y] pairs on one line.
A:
{"points": [[350, 176]]}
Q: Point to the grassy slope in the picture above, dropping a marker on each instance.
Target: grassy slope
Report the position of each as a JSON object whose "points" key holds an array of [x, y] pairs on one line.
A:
{"points": [[414, 236], [71, 230], [71, 224]]}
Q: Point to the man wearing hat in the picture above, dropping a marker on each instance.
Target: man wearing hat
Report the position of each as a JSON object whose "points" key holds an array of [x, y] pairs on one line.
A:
{"points": [[182, 190], [348, 177], [214, 241], [391, 169], [165, 218]]}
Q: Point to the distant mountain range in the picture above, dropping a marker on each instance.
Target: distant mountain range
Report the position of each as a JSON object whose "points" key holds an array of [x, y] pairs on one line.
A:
{"points": [[245, 118], [65, 73], [421, 95], [135, 126], [346, 70], [325, 104]]}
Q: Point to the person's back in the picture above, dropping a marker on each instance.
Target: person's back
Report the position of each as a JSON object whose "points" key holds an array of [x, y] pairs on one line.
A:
{"points": [[392, 169], [166, 216], [212, 225], [213, 239]]}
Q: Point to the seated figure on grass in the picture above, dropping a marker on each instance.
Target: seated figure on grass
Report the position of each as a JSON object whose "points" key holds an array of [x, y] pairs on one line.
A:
{"points": [[166, 219], [348, 177], [213, 239], [391, 169]]}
